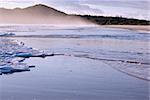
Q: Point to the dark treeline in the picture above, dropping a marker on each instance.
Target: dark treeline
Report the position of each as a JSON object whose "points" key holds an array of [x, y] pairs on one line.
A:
{"points": [[102, 20]]}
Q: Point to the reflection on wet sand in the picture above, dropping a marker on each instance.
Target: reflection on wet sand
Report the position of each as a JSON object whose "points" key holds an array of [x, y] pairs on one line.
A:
{"points": [[128, 56], [107, 64]]}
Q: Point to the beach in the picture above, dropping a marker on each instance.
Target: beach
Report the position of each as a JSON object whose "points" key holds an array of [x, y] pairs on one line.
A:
{"points": [[139, 28], [95, 63], [74, 50]]}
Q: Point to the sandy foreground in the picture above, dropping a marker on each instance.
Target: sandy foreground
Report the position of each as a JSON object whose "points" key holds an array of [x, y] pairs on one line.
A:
{"points": [[89, 69], [75, 76], [139, 28]]}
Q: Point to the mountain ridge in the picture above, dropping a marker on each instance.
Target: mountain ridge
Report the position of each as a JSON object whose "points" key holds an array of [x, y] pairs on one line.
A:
{"points": [[38, 14], [43, 14]]}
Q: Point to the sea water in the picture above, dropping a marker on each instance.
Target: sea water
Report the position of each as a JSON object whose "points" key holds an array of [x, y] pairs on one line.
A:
{"points": [[98, 63]]}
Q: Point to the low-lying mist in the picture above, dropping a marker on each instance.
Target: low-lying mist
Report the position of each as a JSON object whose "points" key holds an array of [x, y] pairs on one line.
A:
{"points": [[39, 14]]}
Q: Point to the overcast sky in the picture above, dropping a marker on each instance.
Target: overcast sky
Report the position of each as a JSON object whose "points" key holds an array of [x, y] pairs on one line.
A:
{"points": [[127, 8]]}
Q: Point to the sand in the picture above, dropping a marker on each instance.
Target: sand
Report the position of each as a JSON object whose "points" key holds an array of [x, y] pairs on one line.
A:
{"points": [[139, 28], [77, 77]]}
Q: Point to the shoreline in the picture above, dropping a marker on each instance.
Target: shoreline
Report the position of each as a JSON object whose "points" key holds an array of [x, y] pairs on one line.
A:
{"points": [[139, 28], [71, 73]]}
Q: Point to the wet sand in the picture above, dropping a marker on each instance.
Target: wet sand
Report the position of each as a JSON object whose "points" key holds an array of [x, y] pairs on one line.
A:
{"points": [[71, 78], [79, 78], [139, 28]]}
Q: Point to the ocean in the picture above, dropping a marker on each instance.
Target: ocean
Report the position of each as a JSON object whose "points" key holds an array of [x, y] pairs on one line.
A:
{"points": [[97, 63]]}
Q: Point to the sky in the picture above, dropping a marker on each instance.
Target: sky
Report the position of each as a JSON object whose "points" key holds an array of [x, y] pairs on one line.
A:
{"points": [[139, 9]]}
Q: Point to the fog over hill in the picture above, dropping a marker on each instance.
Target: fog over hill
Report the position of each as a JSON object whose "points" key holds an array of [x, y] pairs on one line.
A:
{"points": [[39, 14]]}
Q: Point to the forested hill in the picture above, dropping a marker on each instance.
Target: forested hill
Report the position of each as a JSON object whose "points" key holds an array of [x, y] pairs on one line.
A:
{"points": [[43, 14], [101, 20]]}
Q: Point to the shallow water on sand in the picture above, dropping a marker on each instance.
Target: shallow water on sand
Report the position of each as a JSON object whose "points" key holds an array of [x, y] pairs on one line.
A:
{"points": [[127, 55], [70, 78], [86, 72]]}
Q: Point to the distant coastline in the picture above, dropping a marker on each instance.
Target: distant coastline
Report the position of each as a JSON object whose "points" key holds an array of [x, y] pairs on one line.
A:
{"points": [[43, 14], [139, 28], [104, 20]]}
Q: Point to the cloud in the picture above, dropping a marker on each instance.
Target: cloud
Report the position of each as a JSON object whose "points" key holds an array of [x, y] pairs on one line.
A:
{"points": [[133, 8], [73, 7], [138, 4], [17, 1]]}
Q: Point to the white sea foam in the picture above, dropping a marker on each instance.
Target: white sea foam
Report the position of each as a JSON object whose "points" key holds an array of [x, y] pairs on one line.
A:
{"points": [[10, 62]]}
